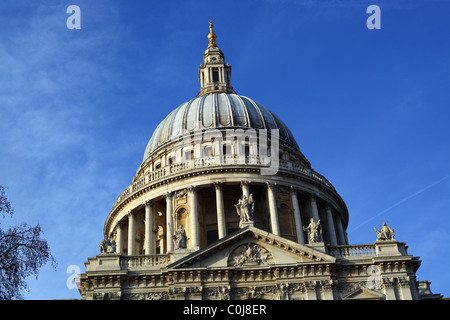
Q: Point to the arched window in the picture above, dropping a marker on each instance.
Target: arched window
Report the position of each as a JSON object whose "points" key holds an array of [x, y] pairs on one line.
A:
{"points": [[182, 218]]}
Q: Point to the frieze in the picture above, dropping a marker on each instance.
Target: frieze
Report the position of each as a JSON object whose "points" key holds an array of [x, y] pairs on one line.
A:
{"points": [[147, 296], [349, 287], [254, 292], [106, 295], [221, 293], [182, 292]]}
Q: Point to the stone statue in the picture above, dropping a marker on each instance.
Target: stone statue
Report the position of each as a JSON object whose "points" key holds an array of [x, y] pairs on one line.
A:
{"points": [[180, 238], [108, 245], [314, 231], [245, 208], [386, 233]]}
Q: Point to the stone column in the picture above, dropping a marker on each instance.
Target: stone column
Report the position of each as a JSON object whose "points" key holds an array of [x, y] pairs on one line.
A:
{"points": [[340, 231], [389, 291], [314, 209], [194, 217], [331, 230], [148, 227], [273, 209], [297, 217], [310, 287], [131, 232], [119, 238], [221, 223], [327, 290], [245, 186], [405, 288], [169, 221]]}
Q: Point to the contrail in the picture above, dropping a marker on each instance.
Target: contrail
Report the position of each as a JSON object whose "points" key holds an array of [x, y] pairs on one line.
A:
{"points": [[403, 200]]}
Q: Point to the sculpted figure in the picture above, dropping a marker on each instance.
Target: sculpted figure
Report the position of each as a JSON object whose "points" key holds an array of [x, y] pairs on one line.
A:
{"points": [[245, 208], [251, 254], [386, 233], [108, 245], [180, 238], [314, 231]]}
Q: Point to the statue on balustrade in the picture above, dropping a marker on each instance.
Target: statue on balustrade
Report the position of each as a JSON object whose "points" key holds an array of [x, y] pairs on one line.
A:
{"points": [[386, 233], [314, 231], [245, 208], [180, 238], [108, 245]]}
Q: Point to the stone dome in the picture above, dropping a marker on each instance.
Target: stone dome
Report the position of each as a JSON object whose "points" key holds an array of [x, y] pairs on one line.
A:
{"points": [[201, 174], [217, 111], [206, 220]]}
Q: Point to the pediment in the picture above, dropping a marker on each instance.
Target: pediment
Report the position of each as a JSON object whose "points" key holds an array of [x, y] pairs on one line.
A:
{"points": [[364, 294], [251, 247]]}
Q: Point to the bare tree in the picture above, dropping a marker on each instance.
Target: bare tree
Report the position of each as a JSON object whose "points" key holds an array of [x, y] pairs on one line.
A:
{"points": [[22, 253]]}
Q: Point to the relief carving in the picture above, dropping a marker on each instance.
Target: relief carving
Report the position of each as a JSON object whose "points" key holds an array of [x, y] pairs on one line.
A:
{"points": [[250, 254]]}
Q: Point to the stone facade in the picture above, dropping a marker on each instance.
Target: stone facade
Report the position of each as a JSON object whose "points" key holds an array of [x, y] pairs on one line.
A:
{"points": [[254, 264], [217, 218]]}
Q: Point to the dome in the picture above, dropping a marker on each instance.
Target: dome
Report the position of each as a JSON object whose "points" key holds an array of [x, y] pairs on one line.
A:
{"points": [[201, 180], [218, 111], [215, 220]]}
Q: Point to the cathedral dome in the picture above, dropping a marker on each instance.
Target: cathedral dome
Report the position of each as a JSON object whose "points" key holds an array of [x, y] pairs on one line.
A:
{"points": [[221, 215], [218, 163], [217, 111]]}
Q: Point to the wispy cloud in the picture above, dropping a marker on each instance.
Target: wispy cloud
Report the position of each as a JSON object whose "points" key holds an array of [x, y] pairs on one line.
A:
{"points": [[53, 82], [400, 202]]}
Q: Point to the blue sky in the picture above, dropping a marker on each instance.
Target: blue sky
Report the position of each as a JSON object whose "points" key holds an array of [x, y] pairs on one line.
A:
{"points": [[369, 108]]}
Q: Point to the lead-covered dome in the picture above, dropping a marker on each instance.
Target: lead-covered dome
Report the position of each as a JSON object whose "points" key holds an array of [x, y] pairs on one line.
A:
{"points": [[217, 111]]}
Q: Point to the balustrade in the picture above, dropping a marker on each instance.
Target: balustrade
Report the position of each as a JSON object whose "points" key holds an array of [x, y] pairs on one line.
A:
{"points": [[157, 260], [353, 251], [224, 160]]}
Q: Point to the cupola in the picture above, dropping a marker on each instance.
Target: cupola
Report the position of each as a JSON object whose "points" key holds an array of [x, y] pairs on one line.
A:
{"points": [[214, 75]]}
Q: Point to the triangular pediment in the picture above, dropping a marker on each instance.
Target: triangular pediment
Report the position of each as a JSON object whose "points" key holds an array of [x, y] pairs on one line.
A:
{"points": [[251, 247], [363, 294]]}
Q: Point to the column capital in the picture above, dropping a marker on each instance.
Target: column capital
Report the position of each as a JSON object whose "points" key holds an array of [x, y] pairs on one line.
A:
{"points": [[192, 188], [217, 184], [148, 202], [130, 213], [245, 182], [271, 185], [168, 195], [293, 190]]}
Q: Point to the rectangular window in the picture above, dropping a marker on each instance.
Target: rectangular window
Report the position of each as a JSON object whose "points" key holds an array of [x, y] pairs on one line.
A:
{"points": [[215, 75]]}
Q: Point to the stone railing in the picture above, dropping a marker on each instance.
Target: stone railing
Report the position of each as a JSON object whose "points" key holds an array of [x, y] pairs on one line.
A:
{"points": [[219, 161], [145, 261], [118, 262], [359, 251]]}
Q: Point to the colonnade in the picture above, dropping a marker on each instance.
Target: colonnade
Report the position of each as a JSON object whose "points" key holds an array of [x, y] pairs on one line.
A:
{"points": [[333, 221]]}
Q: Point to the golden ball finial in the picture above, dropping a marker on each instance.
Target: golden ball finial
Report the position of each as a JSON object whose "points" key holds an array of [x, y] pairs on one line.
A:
{"points": [[211, 36]]}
